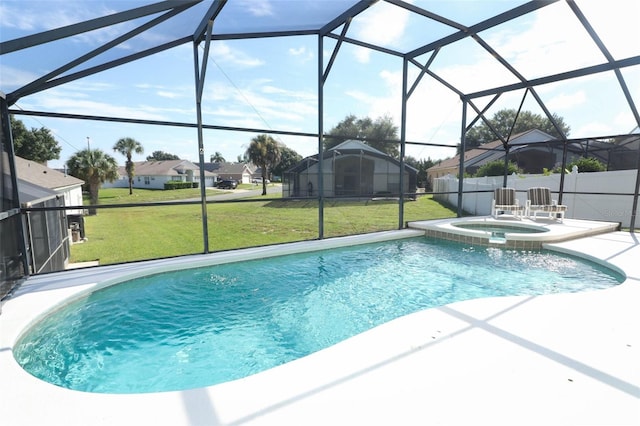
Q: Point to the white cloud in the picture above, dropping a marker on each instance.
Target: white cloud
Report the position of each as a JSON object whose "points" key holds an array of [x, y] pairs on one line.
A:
{"points": [[13, 78], [222, 53], [14, 17], [433, 113], [260, 104], [612, 21], [301, 52], [360, 96], [554, 42], [166, 94], [625, 118], [383, 24], [593, 128], [565, 101], [81, 86], [72, 101], [257, 7], [297, 51], [362, 54]]}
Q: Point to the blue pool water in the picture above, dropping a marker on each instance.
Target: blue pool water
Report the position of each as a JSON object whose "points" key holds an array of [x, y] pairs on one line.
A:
{"points": [[198, 327]]}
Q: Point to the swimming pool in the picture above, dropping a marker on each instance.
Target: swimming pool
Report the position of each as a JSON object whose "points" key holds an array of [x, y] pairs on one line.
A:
{"points": [[193, 328]]}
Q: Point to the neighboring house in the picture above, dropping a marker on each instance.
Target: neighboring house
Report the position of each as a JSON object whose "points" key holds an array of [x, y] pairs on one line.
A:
{"points": [[240, 172], [257, 174], [48, 232], [531, 152], [352, 169], [623, 155], [154, 174], [527, 149], [57, 183]]}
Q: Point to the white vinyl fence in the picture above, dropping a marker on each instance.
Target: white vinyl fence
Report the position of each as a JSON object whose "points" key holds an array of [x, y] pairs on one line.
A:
{"points": [[616, 207]]}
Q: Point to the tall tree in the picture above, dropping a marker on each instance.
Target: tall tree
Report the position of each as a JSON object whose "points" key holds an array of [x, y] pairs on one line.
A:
{"points": [[264, 152], [127, 147], [37, 145], [161, 156], [421, 166], [373, 133], [503, 121], [95, 168], [217, 158], [288, 158]]}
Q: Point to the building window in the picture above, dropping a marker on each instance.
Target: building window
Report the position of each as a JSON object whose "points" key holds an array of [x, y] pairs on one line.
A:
{"points": [[147, 180]]}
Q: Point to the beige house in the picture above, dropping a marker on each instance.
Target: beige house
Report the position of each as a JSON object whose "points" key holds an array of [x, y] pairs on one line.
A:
{"points": [[527, 149], [154, 174], [240, 172], [450, 166]]}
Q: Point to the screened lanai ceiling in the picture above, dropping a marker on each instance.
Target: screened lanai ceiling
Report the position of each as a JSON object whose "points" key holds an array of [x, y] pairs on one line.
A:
{"points": [[39, 37], [49, 43]]}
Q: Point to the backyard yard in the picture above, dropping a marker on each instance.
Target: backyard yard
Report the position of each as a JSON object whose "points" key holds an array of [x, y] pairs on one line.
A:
{"points": [[126, 234]]}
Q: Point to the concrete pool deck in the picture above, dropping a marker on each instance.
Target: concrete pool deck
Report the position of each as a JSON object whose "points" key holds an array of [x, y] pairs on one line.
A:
{"points": [[569, 359]]}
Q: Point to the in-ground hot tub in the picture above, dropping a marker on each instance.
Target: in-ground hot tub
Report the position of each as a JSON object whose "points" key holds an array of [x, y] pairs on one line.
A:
{"points": [[501, 229], [498, 232], [512, 234]]}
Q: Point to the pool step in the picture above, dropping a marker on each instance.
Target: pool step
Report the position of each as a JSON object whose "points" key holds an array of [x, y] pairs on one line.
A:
{"points": [[497, 238]]}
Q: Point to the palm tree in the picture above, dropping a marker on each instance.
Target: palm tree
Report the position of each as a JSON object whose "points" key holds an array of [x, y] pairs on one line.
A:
{"points": [[217, 158], [126, 147], [94, 167], [264, 152]]}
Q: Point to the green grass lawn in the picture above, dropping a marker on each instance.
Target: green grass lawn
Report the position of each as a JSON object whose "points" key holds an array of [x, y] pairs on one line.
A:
{"points": [[121, 195], [127, 234]]}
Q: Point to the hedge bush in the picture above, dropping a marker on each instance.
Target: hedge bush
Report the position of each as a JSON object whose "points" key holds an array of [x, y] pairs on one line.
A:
{"points": [[496, 168], [587, 165], [176, 184]]}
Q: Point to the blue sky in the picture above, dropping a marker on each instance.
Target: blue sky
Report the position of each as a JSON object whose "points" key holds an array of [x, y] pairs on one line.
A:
{"points": [[271, 83]]}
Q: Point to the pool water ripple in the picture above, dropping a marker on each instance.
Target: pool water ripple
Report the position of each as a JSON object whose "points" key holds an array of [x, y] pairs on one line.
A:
{"points": [[198, 327]]}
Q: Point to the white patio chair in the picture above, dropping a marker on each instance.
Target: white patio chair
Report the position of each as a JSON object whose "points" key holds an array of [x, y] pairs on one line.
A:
{"points": [[539, 201], [504, 200]]}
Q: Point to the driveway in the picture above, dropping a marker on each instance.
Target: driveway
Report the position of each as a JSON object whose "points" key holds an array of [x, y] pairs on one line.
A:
{"points": [[234, 194]]}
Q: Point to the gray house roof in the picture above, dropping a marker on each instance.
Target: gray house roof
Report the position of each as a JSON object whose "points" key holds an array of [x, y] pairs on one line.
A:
{"points": [[40, 175], [494, 150], [162, 168], [347, 147], [37, 182], [225, 168], [352, 144]]}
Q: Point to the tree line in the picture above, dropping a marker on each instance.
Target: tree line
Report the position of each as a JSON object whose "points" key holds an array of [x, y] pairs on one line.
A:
{"points": [[96, 167]]}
